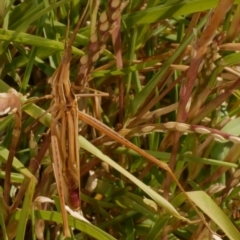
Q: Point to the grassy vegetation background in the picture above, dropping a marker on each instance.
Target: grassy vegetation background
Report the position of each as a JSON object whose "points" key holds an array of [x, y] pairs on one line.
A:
{"points": [[163, 62]]}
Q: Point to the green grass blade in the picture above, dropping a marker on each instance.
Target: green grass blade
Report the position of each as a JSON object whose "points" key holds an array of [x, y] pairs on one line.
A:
{"points": [[8, 35], [25, 210], [142, 96], [16, 163], [169, 9], [81, 225], [155, 196], [210, 208]]}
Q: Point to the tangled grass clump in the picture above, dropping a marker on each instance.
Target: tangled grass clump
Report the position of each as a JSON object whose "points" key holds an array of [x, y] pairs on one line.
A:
{"points": [[157, 84]]}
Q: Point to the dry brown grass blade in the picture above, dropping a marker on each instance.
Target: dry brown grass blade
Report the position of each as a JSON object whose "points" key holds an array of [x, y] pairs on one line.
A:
{"points": [[117, 45], [33, 168], [11, 104], [205, 39], [187, 86], [114, 135]]}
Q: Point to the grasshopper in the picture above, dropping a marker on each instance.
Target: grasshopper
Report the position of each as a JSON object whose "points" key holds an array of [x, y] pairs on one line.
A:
{"points": [[64, 134], [64, 126]]}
